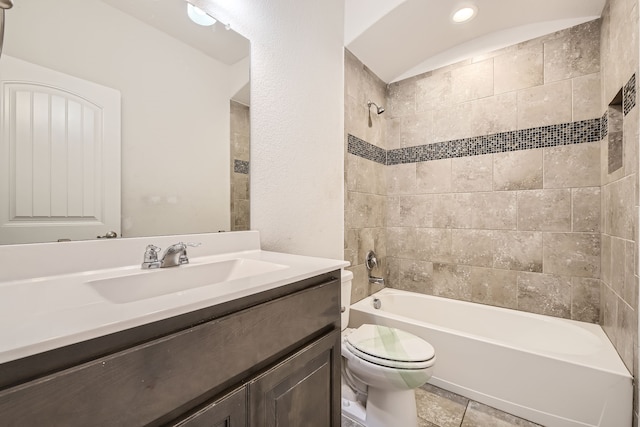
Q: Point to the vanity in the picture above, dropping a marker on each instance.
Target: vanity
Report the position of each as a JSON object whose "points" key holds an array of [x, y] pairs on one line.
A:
{"points": [[256, 342]]}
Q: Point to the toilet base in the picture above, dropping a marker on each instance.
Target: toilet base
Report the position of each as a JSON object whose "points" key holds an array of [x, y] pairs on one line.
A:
{"points": [[390, 408]]}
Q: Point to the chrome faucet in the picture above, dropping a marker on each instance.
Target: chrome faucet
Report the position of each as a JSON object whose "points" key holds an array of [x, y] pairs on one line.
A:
{"points": [[174, 255], [371, 262], [151, 257]]}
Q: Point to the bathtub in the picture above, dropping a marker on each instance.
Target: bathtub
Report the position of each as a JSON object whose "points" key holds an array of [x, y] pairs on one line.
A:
{"points": [[551, 371]]}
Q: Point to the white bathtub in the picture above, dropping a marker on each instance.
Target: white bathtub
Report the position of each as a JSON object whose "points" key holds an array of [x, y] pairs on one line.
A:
{"points": [[551, 371]]}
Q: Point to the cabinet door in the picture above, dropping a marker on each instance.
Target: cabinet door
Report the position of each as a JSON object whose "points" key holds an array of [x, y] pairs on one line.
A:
{"points": [[303, 390], [229, 411]]}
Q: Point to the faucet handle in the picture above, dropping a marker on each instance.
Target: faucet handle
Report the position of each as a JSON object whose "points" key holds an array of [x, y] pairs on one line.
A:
{"points": [[183, 258], [151, 257]]}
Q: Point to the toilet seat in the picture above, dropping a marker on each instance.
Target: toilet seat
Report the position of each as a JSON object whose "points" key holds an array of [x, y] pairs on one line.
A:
{"points": [[390, 347]]}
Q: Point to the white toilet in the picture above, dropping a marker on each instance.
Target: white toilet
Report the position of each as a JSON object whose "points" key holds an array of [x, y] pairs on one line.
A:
{"points": [[381, 368]]}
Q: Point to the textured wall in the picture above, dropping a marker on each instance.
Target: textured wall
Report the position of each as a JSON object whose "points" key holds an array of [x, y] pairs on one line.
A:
{"points": [[297, 120], [619, 61], [240, 145]]}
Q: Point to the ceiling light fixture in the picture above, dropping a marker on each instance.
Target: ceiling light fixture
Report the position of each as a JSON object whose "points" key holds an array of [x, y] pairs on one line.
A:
{"points": [[199, 16], [464, 13]]}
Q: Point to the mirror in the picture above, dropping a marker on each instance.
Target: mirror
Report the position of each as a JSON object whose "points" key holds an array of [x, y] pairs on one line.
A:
{"points": [[176, 82]]}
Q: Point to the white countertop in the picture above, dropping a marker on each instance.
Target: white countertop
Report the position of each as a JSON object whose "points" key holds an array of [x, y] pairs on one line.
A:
{"points": [[44, 313]]}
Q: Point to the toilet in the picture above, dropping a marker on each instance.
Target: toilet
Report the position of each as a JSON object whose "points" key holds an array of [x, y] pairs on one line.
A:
{"points": [[381, 368]]}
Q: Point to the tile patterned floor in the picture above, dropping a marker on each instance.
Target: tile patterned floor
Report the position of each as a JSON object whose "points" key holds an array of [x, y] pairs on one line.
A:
{"points": [[441, 408]]}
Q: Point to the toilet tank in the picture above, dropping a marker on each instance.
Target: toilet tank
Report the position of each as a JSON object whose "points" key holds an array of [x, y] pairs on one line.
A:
{"points": [[345, 297]]}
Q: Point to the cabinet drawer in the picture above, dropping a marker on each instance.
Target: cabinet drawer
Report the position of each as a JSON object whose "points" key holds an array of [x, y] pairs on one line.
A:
{"points": [[150, 382]]}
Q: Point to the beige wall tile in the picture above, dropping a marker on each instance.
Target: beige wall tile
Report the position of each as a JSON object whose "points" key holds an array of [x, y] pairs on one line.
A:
{"points": [[453, 122], [575, 165], [605, 259], [410, 211], [360, 283], [434, 245], [401, 242], [572, 254], [519, 69], [392, 133], [574, 55], [371, 239], [517, 250], [369, 176], [401, 179], [618, 209], [472, 81], [433, 91], [434, 176], [585, 299], [630, 141], [472, 247], [401, 97], [544, 294], [544, 210], [453, 210], [627, 333], [545, 105], [415, 276], [350, 171], [355, 118], [353, 81], [494, 114], [494, 287], [587, 103], [351, 246], [416, 129], [365, 210], [586, 209], [493, 210], [609, 313], [452, 281], [517, 170], [473, 173], [630, 286]]}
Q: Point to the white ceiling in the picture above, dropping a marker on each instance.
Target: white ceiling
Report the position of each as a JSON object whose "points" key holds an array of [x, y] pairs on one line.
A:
{"points": [[170, 16], [398, 39]]}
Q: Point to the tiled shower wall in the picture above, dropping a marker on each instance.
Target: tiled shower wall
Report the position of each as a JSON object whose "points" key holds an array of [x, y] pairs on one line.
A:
{"points": [[517, 229], [240, 141], [365, 180], [491, 228], [619, 61]]}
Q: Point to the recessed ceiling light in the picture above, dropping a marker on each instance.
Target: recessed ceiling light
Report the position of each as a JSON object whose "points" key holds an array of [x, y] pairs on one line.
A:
{"points": [[464, 13]]}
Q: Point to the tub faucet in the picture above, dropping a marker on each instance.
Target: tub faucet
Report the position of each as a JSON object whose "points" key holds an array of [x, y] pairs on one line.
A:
{"points": [[371, 262], [376, 280], [176, 254]]}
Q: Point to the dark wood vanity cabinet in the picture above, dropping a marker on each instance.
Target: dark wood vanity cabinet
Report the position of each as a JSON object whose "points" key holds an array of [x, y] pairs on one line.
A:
{"points": [[274, 362]]}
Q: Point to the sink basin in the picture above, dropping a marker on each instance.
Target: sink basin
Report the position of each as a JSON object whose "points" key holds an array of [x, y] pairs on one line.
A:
{"points": [[152, 283]]}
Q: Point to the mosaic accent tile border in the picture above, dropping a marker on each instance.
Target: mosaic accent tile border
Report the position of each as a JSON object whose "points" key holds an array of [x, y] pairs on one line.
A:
{"points": [[241, 166], [604, 126], [629, 95], [524, 139], [363, 149], [592, 130]]}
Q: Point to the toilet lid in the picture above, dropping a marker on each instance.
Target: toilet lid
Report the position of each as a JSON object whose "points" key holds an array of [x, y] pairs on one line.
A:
{"points": [[390, 344]]}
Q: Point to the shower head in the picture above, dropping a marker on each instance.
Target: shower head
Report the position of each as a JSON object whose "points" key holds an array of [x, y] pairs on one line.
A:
{"points": [[379, 110]]}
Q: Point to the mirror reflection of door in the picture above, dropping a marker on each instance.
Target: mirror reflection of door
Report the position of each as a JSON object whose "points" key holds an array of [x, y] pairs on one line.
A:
{"points": [[60, 162]]}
